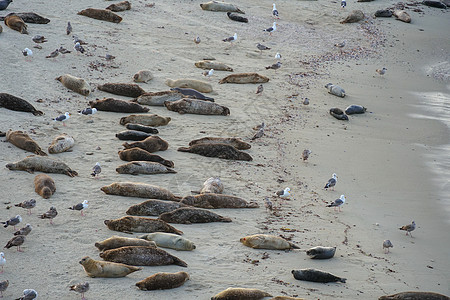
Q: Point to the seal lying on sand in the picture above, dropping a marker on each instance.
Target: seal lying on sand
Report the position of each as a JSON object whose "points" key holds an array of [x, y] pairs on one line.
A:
{"points": [[143, 167], [61, 143], [211, 185], [198, 85], [78, 85], [136, 189], [23, 141], [158, 98], [236, 17], [153, 207], [18, 104], [212, 64], [415, 296], [402, 16], [143, 76], [123, 89], [316, 276], [338, 114], [140, 224], [266, 241], [95, 268], [121, 6], [335, 90], [194, 106], [211, 200], [143, 128], [220, 6], [138, 154], [146, 120], [355, 109], [44, 185], [150, 144], [43, 164], [16, 23], [191, 93], [163, 281], [235, 142], [132, 135], [29, 17], [188, 215], [116, 105], [217, 150], [169, 240], [321, 252], [119, 241], [244, 78], [353, 17], [101, 14], [241, 293], [141, 256]]}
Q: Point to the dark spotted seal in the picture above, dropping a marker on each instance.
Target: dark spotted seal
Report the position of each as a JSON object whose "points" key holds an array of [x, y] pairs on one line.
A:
{"points": [[191, 93], [163, 281], [338, 114], [101, 14], [316, 276], [153, 207], [123, 89], [245, 78], [241, 293], [143, 167], [29, 17], [235, 142], [383, 13], [146, 119], [121, 6], [142, 128], [236, 17], [140, 224], [187, 215], [150, 144], [355, 109], [23, 141], [321, 252], [195, 106], [217, 150], [116, 105], [132, 135], [138, 154], [210, 200], [415, 296], [18, 104]]}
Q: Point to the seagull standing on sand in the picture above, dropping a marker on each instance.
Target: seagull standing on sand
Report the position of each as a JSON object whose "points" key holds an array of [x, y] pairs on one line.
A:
{"points": [[88, 111], [278, 56], [271, 29], [268, 204], [331, 182], [231, 39], [274, 66], [63, 50], [306, 101], [284, 193], [275, 11], [343, 3], [79, 48], [17, 241], [261, 47], [305, 154], [386, 245], [381, 71], [197, 40], [80, 206], [12, 222], [337, 203], [28, 294], [27, 52], [50, 214], [208, 73], [96, 170], [39, 39], [69, 28], [77, 40], [27, 204], [260, 89], [409, 228], [340, 45], [53, 54], [2, 260], [3, 286], [260, 132], [62, 118], [24, 230], [80, 288]]}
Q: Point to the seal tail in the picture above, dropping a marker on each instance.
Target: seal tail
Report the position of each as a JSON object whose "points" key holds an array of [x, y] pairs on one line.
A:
{"points": [[126, 145], [343, 280], [225, 219], [37, 113], [293, 246], [209, 99], [226, 111], [183, 149], [169, 170], [252, 205], [179, 262]]}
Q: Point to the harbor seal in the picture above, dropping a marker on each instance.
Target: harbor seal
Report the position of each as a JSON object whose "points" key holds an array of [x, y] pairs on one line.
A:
{"points": [[217, 150], [220, 6], [16, 23], [44, 185], [194, 106], [267, 241], [241, 293], [316, 276], [101, 14], [169, 240], [137, 189], [119, 241], [191, 93], [29, 17], [235, 142], [198, 85], [211, 201], [141, 256], [355, 109], [153, 207], [121, 6], [138, 154], [61, 143], [151, 144], [436, 4], [143, 128], [212, 64], [415, 296], [286, 298], [383, 13], [43, 164], [18, 104], [143, 76], [244, 78], [338, 114], [158, 98], [132, 135], [335, 90], [163, 281], [78, 85], [23, 141], [402, 16], [236, 17], [146, 120], [140, 224], [321, 252], [188, 215], [143, 167], [116, 105], [95, 268], [212, 185], [123, 89], [353, 17]]}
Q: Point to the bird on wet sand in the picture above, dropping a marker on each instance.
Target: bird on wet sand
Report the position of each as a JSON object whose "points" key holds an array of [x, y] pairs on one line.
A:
{"points": [[96, 170], [260, 89], [386, 245], [408, 228]]}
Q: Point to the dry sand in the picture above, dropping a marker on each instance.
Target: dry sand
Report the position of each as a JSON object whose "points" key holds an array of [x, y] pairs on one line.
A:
{"points": [[382, 158]]}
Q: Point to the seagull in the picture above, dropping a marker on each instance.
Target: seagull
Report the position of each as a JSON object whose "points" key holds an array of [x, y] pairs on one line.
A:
{"points": [[306, 101], [3, 286], [69, 28], [13, 221], [337, 203], [79, 48], [80, 288], [343, 3], [262, 47], [96, 170], [88, 111], [274, 66], [275, 11], [28, 294], [386, 245], [24, 230], [258, 127], [284, 193], [27, 204], [197, 40], [208, 73], [268, 204], [62, 118], [271, 29], [109, 57], [260, 89], [39, 39], [331, 182], [50, 214], [63, 50], [340, 45], [382, 71], [77, 40], [277, 56], [53, 54], [80, 206], [17, 241], [260, 133], [305, 154], [231, 39], [409, 228], [27, 52], [2, 260]]}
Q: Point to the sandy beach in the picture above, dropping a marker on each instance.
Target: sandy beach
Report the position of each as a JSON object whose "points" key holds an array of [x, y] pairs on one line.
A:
{"points": [[392, 162]]}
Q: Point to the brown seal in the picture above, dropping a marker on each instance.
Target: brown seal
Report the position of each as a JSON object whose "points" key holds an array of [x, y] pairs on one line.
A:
{"points": [[116, 105], [150, 144], [121, 6], [140, 224], [23, 141], [123, 89], [143, 167], [195, 106], [235, 142], [141, 256], [29, 17], [61, 143], [241, 293], [95, 268], [147, 120], [217, 150], [153, 207], [415, 296], [78, 85], [211, 64], [43, 164], [18, 104], [135, 154], [353, 17], [158, 98], [198, 85], [119, 241], [16, 23], [210, 200], [220, 6], [44, 185], [100, 14], [163, 281], [244, 78], [189, 215], [267, 241], [137, 189]]}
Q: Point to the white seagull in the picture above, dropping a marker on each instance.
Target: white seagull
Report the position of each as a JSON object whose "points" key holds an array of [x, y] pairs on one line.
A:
{"points": [[27, 52], [331, 182], [62, 118], [271, 29], [337, 203], [409, 228], [275, 11], [284, 193], [96, 170], [2, 260], [231, 39], [80, 206]]}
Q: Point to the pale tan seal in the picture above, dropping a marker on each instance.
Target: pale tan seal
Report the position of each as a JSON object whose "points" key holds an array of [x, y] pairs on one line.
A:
{"points": [[123, 89], [212, 185], [241, 293], [78, 85], [415, 296], [117, 105], [16, 23], [353, 17], [95, 268], [141, 256], [266, 241], [143, 76], [153, 207], [101, 14], [23, 141], [143, 167], [169, 240], [402, 16], [195, 106], [138, 154], [151, 144], [163, 281], [147, 120], [158, 98], [211, 200], [245, 78], [140, 224], [212, 64], [43, 164], [61, 143], [138, 189], [198, 85], [235, 142], [189, 215], [120, 241], [121, 6], [220, 6], [44, 185]]}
